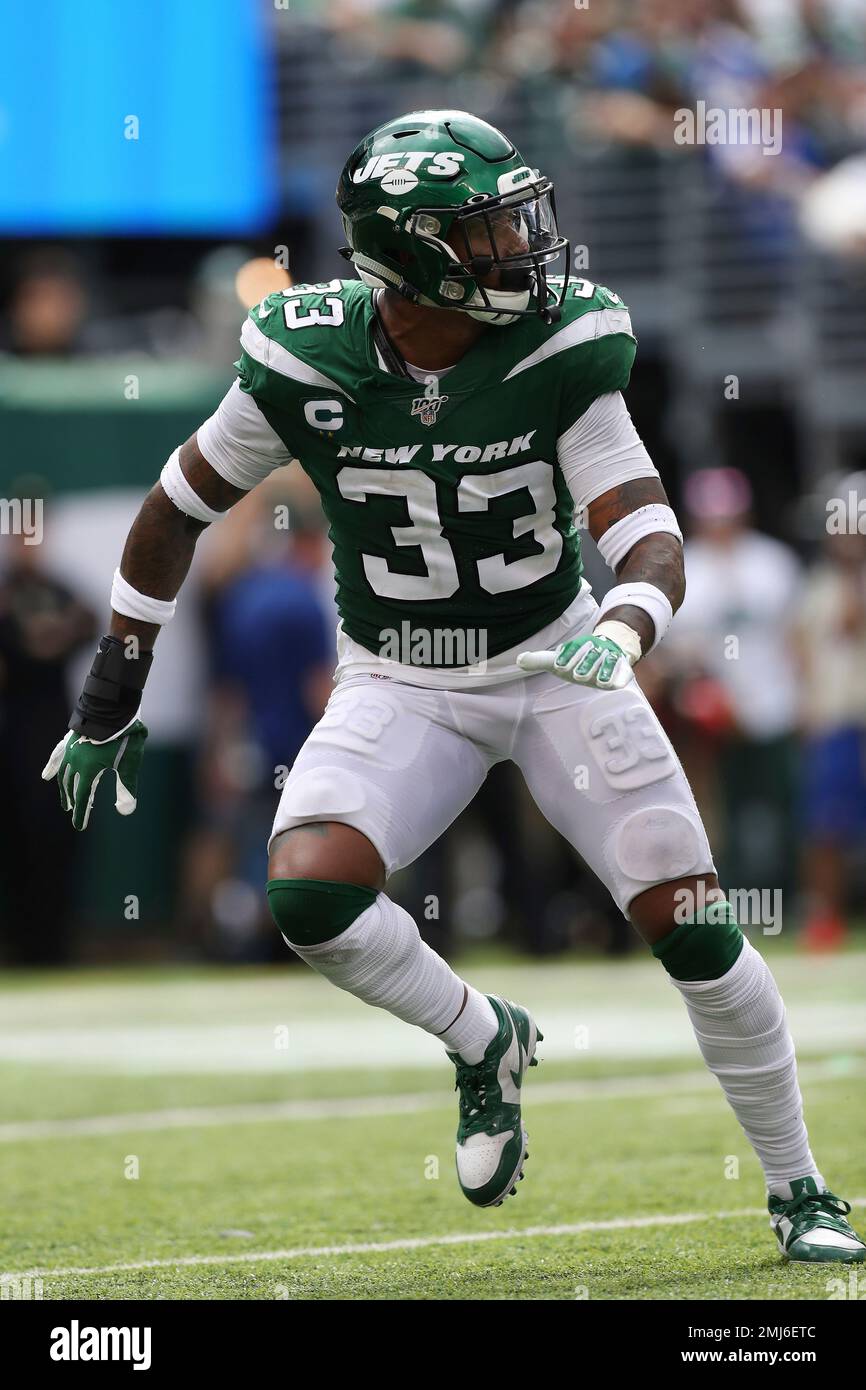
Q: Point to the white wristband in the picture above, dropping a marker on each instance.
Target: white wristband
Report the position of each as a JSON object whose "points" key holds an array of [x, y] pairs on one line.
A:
{"points": [[184, 497], [619, 538], [132, 604], [645, 596]]}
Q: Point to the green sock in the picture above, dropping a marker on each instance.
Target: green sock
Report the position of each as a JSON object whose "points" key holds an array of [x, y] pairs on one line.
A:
{"points": [[703, 948], [309, 910]]}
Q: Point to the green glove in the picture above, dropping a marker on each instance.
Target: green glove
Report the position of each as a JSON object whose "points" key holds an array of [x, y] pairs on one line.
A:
{"points": [[589, 660], [78, 764]]}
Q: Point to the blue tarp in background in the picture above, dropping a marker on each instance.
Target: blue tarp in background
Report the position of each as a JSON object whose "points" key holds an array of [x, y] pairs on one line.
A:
{"points": [[197, 77]]}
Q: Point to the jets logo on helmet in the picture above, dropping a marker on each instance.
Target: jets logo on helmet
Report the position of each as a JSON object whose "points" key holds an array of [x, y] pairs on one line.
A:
{"points": [[442, 164], [440, 206]]}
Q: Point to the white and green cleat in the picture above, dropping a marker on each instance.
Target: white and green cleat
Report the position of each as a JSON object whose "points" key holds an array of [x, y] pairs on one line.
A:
{"points": [[491, 1140], [811, 1226]]}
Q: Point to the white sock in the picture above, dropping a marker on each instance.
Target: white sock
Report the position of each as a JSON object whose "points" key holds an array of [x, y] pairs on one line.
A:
{"points": [[472, 1030], [741, 1028], [381, 959]]}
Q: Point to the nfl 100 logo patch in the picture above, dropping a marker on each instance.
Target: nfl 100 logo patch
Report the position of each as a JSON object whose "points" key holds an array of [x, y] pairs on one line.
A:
{"points": [[427, 408]]}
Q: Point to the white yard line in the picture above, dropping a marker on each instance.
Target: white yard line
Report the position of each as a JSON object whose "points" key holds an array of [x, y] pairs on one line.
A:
{"points": [[284, 1044], [411, 1243], [371, 1107]]}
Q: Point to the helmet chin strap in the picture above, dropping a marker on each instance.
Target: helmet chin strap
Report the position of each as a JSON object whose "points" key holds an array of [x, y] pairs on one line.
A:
{"points": [[505, 302], [509, 304], [506, 306]]}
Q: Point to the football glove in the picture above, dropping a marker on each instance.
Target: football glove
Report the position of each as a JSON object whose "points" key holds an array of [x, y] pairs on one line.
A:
{"points": [[105, 732], [78, 764], [591, 659]]}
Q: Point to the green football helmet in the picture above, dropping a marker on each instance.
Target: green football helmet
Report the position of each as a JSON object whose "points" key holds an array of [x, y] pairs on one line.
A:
{"points": [[435, 202]]}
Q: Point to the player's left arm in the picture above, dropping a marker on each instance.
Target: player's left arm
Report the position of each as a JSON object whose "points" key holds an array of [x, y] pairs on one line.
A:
{"points": [[655, 559], [617, 488]]}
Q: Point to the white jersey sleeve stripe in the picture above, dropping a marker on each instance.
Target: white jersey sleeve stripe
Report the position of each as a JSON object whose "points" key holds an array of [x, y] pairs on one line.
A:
{"points": [[273, 355], [238, 442], [601, 450], [598, 323]]}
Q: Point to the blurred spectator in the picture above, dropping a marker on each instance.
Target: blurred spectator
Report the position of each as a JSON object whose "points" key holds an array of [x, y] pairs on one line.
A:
{"points": [[833, 212], [42, 627], [47, 308], [53, 313], [832, 653], [272, 661], [618, 73], [408, 38], [732, 645], [501, 871], [271, 644]]}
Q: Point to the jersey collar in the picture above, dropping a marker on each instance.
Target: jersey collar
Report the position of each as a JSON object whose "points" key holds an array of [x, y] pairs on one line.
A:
{"points": [[388, 357], [471, 372]]}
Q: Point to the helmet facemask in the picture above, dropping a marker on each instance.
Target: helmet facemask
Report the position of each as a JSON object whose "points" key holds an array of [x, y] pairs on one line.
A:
{"points": [[511, 236]]}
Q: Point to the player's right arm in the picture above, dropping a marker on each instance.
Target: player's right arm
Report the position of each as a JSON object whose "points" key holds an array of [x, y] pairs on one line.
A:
{"points": [[161, 542], [231, 452]]}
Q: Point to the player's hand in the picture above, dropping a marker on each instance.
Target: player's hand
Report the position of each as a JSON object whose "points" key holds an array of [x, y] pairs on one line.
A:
{"points": [[79, 763], [587, 660]]}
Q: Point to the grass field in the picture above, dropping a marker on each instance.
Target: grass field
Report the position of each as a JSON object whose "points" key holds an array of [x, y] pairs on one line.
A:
{"points": [[203, 1134]]}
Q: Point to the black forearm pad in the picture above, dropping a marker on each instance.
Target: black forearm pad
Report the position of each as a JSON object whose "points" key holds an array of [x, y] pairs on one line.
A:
{"points": [[112, 691]]}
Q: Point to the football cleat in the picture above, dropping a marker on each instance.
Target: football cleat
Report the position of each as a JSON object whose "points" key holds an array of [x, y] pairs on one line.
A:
{"points": [[491, 1140], [812, 1226]]}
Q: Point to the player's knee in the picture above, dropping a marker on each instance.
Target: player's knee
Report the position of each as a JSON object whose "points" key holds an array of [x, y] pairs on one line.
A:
{"points": [[308, 844], [702, 946], [690, 927], [665, 848], [310, 911]]}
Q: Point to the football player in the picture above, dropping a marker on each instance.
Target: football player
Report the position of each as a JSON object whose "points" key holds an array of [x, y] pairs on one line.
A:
{"points": [[455, 406]]}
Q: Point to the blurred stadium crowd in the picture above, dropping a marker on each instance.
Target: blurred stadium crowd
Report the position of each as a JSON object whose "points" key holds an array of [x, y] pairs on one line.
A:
{"points": [[745, 271]]}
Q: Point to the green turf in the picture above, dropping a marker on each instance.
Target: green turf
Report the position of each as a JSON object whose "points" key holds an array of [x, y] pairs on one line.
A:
{"points": [[241, 1189]]}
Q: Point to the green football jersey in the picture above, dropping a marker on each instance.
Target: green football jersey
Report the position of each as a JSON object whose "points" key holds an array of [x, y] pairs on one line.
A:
{"points": [[446, 504]]}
